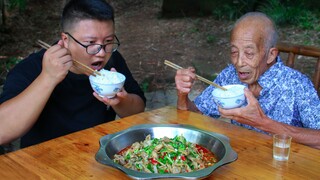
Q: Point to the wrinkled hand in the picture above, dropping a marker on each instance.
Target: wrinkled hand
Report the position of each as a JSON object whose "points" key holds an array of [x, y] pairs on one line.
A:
{"points": [[122, 94], [252, 114], [56, 62], [184, 80]]}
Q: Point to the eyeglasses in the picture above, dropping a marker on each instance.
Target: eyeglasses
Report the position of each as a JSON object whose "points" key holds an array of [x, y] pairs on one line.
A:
{"points": [[93, 49]]}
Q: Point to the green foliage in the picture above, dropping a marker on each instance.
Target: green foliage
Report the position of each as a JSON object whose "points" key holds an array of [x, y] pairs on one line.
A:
{"points": [[232, 11], [307, 20], [227, 11], [295, 14], [194, 30], [146, 83], [20, 4], [283, 12], [211, 38], [144, 86], [11, 62], [5, 66], [275, 10]]}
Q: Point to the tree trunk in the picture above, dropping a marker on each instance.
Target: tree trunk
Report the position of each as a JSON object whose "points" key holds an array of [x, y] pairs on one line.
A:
{"points": [[3, 13]]}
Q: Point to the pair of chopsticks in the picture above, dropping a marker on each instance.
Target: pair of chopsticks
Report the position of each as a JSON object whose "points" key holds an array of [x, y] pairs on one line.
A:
{"points": [[168, 63], [83, 67]]}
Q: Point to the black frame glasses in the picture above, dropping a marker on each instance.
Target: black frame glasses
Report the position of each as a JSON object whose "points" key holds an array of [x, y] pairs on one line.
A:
{"points": [[93, 49]]}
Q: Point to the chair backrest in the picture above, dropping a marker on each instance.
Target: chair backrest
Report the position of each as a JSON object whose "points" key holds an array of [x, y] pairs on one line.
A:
{"points": [[294, 50]]}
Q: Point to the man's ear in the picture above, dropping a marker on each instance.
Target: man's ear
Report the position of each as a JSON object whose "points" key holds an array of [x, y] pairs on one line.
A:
{"points": [[273, 53], [65, 39]]}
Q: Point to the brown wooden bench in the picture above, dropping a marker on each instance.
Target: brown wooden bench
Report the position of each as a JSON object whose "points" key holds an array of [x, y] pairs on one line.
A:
{"points": [[310, 51]]}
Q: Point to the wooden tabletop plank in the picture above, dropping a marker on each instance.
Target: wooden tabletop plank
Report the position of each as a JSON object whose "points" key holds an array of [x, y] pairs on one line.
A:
{"points": [[73, 156], [9, 167]]}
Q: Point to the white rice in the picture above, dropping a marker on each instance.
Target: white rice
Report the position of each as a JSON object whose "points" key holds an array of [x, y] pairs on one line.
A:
{"points": [[233, 90], [108, 77]]}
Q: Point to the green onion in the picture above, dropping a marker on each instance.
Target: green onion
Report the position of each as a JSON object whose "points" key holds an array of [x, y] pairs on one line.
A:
{"points": [[169, 160], [149, 166], [128, 156], [161, 171], [182, 147], [138, 166]]}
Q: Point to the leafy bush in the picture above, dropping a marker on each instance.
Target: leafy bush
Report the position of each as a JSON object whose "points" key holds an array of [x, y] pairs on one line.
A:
{"points": [[20, 4], [11, 62], [275, 10], [285, 12], [231, 11], [307, 20], [295, 14]]}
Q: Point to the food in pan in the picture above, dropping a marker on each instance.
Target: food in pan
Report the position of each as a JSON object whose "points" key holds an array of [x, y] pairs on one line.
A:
{"points": [[165, 155]]}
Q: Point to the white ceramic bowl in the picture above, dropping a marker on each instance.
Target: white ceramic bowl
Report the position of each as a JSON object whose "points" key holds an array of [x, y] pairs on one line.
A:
{"points": [[232, 98], [108, 84]]}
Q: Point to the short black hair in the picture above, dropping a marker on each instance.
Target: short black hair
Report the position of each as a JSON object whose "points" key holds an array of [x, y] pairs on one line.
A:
{"points": [[77, 10]]}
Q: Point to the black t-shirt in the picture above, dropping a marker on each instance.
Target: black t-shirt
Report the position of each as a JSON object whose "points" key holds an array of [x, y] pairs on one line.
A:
{"points": [[71, 107]]}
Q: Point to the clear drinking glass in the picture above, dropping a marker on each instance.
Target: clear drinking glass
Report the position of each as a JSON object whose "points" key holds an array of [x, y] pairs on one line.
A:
{"points": [[281, 147]]}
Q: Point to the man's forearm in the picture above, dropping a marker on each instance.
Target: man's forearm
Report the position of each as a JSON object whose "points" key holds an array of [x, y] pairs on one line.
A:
{"points": [[18, 114], [306, 136], [184, 103]]}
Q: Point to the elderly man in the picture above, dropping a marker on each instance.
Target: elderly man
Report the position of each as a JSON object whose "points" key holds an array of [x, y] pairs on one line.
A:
{"points": [[279, 99]]}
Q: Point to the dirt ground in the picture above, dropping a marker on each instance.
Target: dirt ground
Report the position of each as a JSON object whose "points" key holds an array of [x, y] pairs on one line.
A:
{"points": [[146, 39]]}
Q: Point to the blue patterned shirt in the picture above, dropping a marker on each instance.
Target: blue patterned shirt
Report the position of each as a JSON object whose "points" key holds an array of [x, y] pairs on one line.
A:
{"points": [[287, 96]]}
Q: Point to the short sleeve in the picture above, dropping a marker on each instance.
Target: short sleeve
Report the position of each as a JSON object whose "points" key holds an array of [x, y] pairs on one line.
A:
{"points": [[21, 76]]}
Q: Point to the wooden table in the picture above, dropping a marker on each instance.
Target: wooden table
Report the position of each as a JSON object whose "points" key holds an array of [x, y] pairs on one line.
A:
{"points": [[73, 156]]}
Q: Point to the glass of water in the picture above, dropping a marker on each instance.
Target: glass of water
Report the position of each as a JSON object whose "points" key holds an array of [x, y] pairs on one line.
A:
{"points": [[281, 147]]}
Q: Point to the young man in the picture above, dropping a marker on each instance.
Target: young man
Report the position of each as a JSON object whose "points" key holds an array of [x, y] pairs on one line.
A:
{"points": [[279, 99], [46, 95]]}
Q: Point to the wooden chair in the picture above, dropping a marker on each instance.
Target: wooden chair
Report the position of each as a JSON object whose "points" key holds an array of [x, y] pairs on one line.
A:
{"points": [[294, 50]]}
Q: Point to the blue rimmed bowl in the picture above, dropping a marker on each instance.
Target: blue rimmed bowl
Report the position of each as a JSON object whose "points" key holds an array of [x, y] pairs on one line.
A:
{"points": [[108, 83], [232, 98]]}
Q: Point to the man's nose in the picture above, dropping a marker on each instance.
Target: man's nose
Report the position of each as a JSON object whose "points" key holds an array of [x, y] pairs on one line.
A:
{"points": [[241, 59]]}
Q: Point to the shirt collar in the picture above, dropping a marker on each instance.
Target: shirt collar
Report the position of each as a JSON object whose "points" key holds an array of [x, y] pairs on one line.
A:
{"points": [[265, 80]]}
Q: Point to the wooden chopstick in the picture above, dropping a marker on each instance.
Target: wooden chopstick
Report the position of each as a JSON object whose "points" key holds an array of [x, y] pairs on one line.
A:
{"points": [[78, 64], [175, 66]]}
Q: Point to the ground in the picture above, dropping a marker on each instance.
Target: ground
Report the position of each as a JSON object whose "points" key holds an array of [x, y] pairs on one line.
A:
{"points": [[146, 41]]}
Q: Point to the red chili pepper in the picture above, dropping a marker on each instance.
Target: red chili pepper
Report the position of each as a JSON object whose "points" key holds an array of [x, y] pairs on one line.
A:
{"points": [[183, 158], [164, 154], [153, 161], [200, 148]]}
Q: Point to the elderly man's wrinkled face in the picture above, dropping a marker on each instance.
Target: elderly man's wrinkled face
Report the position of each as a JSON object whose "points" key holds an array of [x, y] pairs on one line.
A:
{"points": [[248, 54]]}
